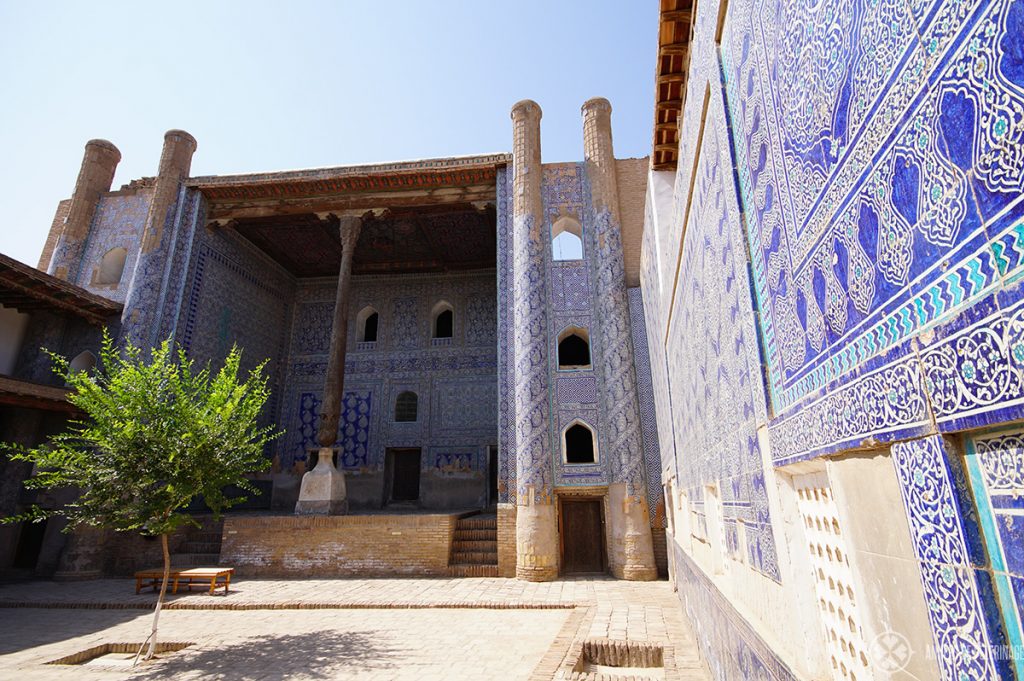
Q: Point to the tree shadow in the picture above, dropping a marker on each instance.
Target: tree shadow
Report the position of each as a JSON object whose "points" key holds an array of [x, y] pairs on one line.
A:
{"points": [[313, 655], [24, 628]]}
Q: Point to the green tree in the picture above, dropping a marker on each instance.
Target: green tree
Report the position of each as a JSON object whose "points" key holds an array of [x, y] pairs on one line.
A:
{"points": [[158, 433]]}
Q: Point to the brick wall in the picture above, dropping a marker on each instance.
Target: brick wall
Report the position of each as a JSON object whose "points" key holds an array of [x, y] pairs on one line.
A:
{"points": [[56, 229], [631, 174], [507, 540], [660, 551], [335, 546]]}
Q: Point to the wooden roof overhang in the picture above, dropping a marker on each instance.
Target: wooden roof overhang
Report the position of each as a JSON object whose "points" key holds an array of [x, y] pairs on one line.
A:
{"points": [[25, 289], [458, 180], [18, 393], [675, 26]]}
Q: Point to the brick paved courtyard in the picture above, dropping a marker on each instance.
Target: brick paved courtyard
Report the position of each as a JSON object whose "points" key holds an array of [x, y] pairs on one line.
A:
{"points": [[339, 629]]}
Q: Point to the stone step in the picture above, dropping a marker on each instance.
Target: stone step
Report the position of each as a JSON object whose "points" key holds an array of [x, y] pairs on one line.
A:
{"points": [[473, 558], [476, 535], [473, 570], [478, 523], [475, 546]]}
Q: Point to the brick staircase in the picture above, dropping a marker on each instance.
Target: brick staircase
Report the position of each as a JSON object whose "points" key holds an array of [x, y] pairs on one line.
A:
{"points": [[201, 547], [475, 547]]}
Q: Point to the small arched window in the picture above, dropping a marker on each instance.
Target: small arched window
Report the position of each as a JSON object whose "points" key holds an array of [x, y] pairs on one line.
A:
{"points": [[83, 361], [566, 239], [574, 349], [578, 443], [406, 406], [366, 325], [443, 320], [111, 267]]}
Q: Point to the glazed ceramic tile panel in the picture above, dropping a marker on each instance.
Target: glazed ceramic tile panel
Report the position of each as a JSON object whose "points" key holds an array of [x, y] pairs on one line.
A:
{"points": [[995, 465], [570, 301], [506, 390], [717, 396], [118, 223], [730, 646], [645, 391], [880, 166], [957, 583], [456, 385]]}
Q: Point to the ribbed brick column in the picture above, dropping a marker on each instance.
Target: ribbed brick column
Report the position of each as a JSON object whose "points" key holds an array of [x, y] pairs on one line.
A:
{"points": [[632, 549], [99, 163], [536, 524]]}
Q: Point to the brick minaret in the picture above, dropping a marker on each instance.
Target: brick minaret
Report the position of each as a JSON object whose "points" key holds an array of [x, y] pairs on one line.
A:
{"points": [[94, 178], [632, 549], [141, 309], [536, 523]]}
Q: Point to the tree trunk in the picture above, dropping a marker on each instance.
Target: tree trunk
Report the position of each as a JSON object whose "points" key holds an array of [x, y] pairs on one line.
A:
{"points": [[160, 599]]}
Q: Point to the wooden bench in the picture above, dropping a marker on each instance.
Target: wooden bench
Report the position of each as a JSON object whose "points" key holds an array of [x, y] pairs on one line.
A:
{"points": [[186, 577]]}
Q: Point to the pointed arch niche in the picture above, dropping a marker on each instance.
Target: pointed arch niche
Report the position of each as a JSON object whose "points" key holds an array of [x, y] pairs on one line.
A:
{"points": [[111, 267], [579, 443], [367, 325], [567, 239], [574, 349], [442, 320]]}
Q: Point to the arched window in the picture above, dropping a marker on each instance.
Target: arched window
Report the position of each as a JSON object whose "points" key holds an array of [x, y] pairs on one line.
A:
{"points": [[111, 267], [366, 325], [443, 320], [578, 443], [574, 348], [405, 407], [566, 239], [83, 361]]}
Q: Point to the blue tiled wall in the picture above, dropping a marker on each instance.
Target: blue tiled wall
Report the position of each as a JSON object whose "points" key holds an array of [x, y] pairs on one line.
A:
{"points": [[456, 383]]}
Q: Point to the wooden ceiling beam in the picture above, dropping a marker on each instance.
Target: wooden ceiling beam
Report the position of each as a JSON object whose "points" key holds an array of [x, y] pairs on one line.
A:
{"points": [[675, 48], [227, 210], [672, 77], [684, 15]]}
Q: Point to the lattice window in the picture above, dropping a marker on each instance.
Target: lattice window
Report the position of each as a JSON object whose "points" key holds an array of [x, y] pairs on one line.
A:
{"points": [[837, 601], [406, 405]]}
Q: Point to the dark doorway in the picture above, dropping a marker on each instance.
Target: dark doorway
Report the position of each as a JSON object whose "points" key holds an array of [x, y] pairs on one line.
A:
{"points": [[582, 534], [30, 543], [492, 475], [405, 474]]}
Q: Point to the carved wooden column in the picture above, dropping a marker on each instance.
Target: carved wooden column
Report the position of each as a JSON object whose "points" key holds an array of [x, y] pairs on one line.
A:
{"points": [[536, 523], [334, 384], [632, 549], [323, 488]]}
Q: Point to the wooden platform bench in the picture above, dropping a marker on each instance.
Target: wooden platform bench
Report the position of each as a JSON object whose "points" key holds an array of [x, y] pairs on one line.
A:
{"points": [[202, 577]]}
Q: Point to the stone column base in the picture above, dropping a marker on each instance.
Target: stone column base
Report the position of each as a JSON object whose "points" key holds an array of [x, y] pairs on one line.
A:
{"points": [[323, 488], [507, 540], [632, 547], [536, 543]]}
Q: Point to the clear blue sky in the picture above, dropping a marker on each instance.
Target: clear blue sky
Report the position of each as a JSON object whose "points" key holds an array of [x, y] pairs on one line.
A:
{"points": [[273, 85]]}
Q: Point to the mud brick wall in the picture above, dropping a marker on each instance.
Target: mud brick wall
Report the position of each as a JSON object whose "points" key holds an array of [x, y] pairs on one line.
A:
{"points": [[338, 546]]}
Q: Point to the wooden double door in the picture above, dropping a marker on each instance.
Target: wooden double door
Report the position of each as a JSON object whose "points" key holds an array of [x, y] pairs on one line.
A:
{"points": [[581, 532]]}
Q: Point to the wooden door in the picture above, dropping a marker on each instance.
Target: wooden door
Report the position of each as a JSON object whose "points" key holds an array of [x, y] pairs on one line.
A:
{"points": [[405, 485], [582, 536]]}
